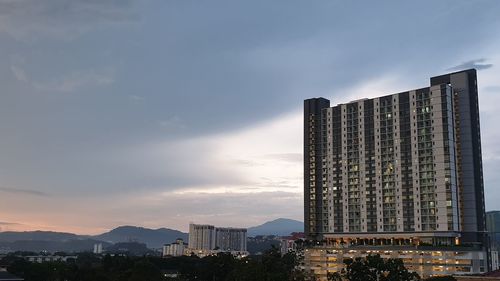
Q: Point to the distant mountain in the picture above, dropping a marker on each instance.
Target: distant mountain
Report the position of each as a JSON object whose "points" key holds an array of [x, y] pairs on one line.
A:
{"points": [[153, 238], [61, 241], [80, 245], [132, 248], [280, 227], [11, 236]]}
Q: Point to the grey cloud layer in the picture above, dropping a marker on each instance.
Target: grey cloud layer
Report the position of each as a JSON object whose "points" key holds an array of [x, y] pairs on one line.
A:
{"points": [[64, 19], [88, 86], [23, 191]]}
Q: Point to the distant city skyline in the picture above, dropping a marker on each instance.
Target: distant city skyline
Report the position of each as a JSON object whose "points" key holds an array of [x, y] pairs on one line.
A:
{"points": [[162, 113]]}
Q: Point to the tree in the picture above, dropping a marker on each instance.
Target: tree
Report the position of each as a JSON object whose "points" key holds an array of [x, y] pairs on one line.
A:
{"points": [[144, 271], [301, 275], [358, 270], [374, 268], [223, 267], [334, 276], [396, 271]]}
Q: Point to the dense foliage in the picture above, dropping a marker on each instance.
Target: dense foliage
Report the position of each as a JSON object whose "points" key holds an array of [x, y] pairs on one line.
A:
{"points": [[375, 268], [271, 267]]}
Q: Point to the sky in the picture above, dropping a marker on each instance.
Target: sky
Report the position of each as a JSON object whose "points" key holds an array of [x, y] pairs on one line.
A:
{"points": [[160, 113]]}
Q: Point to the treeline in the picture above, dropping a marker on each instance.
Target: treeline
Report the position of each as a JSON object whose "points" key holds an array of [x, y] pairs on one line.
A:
{"points": [[88, 267], [270, 266]]}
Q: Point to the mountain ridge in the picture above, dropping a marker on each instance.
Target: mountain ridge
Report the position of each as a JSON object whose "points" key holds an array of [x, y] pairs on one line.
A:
{"points": [[11, 236], [279, 227], [153, 238]]}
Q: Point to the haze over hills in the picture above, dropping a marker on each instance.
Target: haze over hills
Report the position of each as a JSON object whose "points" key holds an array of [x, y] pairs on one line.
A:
{"points": [[153, 238]]}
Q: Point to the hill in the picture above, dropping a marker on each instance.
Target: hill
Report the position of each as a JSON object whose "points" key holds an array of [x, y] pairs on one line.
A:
{"points": [[75, 245], [153, 238], [70, 242], [131, 248], [279, 227], [12, 236]]}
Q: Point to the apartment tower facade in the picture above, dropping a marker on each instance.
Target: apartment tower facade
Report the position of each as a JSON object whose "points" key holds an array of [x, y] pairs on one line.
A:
{"points": [[208, 239], [401, 169]]}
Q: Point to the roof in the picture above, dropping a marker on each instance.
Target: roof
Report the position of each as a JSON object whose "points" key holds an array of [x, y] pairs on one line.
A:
{"points": [[5, 276]]}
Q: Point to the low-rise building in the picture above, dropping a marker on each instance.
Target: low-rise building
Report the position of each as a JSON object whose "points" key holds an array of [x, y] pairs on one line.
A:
{"points": [[98, 248], [41, 259], [493, 227], [205, 253], [174, 249], [288, 244]]}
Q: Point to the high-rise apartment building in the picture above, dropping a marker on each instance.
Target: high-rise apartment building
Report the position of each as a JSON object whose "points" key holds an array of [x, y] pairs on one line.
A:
{"points": [[208, 239], [403, 169], [493, 227], [201, 236], [493, 222], [231, 239]]}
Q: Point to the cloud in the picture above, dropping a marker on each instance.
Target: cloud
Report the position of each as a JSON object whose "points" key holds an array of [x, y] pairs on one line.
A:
{"points": [[494, 89], [136, 98], [77, 80], [23, 191], [7, 226], [477, 64], [262, 160], [281, 183], [156, 208], [491, 180], [173, 123], [69, 82], [246, 162], [168, 165], [220, 109], [9, 223], [287, 157], [30, 19], [19, 73], [226, 207]]}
